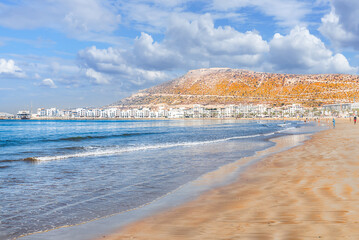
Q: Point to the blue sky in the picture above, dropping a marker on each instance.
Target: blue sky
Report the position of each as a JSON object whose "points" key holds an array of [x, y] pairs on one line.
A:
{"points": [[78, 53]]}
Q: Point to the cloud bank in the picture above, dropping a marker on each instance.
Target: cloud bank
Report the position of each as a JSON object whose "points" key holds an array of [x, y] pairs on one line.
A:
{"points": [[198, 44]]}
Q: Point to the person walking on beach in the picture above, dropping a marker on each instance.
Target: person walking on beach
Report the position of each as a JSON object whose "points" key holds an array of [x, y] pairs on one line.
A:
{"points": [[333, 123], [355, 120]]}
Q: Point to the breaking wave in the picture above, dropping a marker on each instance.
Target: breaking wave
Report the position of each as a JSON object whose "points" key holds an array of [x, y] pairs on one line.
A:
{"points": [[80, 138], [117, 150]]}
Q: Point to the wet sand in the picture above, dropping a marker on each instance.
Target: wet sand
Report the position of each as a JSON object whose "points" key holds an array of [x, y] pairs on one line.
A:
{"points": [[308, 192]]}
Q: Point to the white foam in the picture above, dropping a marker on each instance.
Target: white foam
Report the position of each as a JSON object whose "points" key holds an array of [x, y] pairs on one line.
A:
{"points": [[268, 134], [286, 129], [283, 124], [116, 151]]}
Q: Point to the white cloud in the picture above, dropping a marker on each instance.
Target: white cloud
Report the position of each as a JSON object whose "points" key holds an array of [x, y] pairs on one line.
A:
{"points": [[144, 76], [77, 18], [187, 44], [198, 43], [285, 12], [302, 52], [118, 63], [152, 55], [48, 82], [348, 11], [9, 68], [341, 24], [153, 15], [99, 77], [201, 35], [108, 60], [64, 71]]}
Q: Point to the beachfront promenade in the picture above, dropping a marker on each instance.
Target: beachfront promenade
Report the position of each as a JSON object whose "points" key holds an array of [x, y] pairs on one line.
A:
{"points": [[308, 192]]}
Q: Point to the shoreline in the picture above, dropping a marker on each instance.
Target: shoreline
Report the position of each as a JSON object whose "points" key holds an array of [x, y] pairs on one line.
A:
{"points": [[222, 176], [169, 119], [309, 191], [162, 118]]}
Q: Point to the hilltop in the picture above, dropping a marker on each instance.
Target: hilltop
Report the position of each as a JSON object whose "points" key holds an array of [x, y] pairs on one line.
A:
{"points": [[233, 86]]}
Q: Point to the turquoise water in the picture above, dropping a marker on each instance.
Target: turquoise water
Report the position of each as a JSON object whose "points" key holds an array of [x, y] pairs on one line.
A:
{"points": [[56, 173]]}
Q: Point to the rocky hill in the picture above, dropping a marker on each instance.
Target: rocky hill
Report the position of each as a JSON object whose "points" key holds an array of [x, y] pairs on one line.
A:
{"points": [[233, 86]]}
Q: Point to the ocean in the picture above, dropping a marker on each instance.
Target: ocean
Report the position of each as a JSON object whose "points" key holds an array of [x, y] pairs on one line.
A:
{"points": [[59, 173]]}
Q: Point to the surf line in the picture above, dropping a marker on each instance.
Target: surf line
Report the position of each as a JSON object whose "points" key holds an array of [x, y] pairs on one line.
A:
{"points": [[110, 152]]}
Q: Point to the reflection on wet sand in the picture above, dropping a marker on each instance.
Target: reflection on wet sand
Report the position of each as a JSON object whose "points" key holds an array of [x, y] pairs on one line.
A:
{"points": [[308, 192]]}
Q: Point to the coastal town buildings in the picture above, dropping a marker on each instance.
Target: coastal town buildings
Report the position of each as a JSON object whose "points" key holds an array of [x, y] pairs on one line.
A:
{"points": [[200, 111], [340, 109], [195, 111], [6, 115]]}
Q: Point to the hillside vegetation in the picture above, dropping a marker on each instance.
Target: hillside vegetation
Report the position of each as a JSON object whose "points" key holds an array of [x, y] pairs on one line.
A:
{"points": [[233, 86]]}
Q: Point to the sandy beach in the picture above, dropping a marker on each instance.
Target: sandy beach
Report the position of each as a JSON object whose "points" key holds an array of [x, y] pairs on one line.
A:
{"points": [[308, 192]]}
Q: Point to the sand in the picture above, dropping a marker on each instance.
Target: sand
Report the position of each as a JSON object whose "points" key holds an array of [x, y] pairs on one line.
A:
{"points": [[308, 192]]}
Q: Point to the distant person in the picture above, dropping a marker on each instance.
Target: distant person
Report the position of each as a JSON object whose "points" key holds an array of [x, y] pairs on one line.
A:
{"points": [[355, 119], [333, 123]]}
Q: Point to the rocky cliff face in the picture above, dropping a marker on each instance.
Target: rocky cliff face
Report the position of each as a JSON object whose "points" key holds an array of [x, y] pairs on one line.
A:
{"points": [[234, 86]]}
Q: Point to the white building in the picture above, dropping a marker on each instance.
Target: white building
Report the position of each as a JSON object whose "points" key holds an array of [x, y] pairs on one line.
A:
{"points": [[176, 113], [197, 111], [295, 109], [52, 112], [41, 112]]}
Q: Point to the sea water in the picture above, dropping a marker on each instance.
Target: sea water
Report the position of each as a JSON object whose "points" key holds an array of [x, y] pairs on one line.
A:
{"points": [[58, 173]]}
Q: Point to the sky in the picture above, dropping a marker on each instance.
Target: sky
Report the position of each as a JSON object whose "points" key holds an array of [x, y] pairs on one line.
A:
{"points": [[92, 53]]}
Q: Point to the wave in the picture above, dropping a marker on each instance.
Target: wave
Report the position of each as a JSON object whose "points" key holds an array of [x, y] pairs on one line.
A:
{"points": [[80, 138], [72, 148], [286, 129], [6, 143], [116, 150], [30, 159], [101, 151], [283, 124], [9, 160]]}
